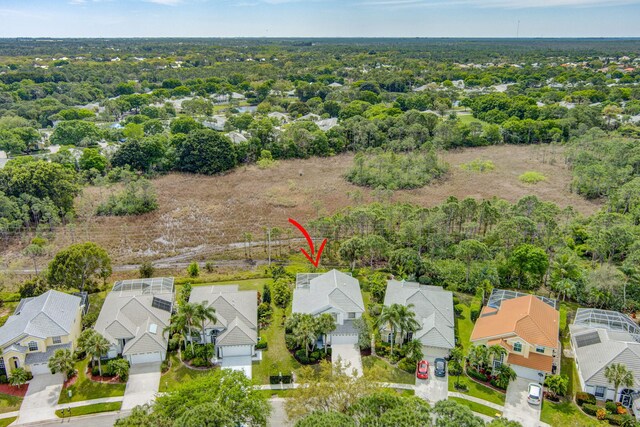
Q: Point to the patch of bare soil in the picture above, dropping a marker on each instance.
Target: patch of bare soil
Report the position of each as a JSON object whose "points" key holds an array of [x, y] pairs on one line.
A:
{"points": [[200, 215]]}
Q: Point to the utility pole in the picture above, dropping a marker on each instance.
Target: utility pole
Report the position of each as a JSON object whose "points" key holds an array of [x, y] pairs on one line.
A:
{"points": [[269, 244]]}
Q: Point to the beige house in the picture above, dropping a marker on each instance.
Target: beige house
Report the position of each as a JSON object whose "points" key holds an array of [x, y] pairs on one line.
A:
{"points": [[524, 325], [38, 327]]}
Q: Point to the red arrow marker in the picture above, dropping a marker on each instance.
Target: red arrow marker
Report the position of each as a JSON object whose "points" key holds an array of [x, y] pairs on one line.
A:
{"points": [[311, 259]]}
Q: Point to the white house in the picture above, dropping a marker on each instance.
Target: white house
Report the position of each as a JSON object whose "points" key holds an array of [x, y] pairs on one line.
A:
{"points": [[335, 293], [600, 338], [134, 316]]}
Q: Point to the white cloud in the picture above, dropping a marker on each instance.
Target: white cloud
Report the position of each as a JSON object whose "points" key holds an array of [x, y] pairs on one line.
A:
{"points": [[165, 2]]}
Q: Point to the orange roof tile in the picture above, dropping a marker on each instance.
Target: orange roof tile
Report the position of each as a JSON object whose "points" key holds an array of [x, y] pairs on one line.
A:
{"points": [[527, 317], [535, 361]]}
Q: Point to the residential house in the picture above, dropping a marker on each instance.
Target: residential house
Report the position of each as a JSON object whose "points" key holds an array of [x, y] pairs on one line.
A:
{"points": [[37, 328], [433, 307], [335, 293], [134, 316], [526, 326], [600, 338], [235, 332]]}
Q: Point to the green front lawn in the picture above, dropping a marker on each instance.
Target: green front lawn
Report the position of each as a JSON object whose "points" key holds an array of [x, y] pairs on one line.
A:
{"points": [[385, 372], [276, 358], [477, 390], [89, 409], [463, 323], [567, 414], [9, 403], [178, 374], [85, 389], [476, 407], [4, 422]]}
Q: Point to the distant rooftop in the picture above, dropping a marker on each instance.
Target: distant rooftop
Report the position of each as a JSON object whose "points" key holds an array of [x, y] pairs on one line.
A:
{"points": [[156, 285]]}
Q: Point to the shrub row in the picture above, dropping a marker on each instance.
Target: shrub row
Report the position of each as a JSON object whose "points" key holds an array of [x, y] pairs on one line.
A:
{"points": [[277, 379]]}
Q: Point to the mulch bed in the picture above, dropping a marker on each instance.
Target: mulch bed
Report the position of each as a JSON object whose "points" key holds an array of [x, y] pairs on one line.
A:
{"points": [[103, 379], [14, 391], [71, 381]]}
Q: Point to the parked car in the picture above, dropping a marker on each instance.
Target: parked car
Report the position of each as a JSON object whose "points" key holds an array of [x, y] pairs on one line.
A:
{"points": [[535, 394], [422, 371], [440, 367]]}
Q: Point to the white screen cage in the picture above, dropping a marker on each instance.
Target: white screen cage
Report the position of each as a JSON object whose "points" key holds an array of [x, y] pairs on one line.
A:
{"points": [[607, 319], [156, 285]]}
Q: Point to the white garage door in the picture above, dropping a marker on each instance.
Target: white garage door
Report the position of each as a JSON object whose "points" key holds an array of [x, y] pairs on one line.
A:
{"points": [[528, 373], [344, 339], [145, 358], [432, 353], [40, 368], [235, 350]]}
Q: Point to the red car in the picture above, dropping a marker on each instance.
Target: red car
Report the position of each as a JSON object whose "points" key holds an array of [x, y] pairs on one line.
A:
{"points": [[422, 372]]}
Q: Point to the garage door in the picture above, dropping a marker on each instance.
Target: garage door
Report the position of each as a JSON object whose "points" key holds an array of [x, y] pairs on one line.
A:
{"points": [[145, 358], [432, 353], [344, 339], [528, 373], [236, 350], [40, 368]]}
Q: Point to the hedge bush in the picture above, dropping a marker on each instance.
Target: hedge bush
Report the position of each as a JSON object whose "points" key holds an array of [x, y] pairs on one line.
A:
{"points": [[262, 344], [407, 365], [476, 374], [618, 420], [4, 379], [590, 409], [611, 406], [583, 397]]}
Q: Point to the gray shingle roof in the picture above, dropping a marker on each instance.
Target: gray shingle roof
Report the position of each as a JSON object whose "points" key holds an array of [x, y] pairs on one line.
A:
{"points": [[238, 333], [127, 314], [614, 347], [236, 312], [51, 314], [332, 289], [433, 307], [42, 357]]}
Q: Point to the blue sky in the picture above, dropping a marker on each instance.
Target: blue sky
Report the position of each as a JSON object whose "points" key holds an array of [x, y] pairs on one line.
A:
{"points": [[319, 18]]}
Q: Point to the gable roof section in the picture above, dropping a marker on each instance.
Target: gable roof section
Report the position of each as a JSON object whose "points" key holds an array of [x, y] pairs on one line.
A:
{"points": [[332, 289], [48, 315], [229, 303], [237, 334], [614, 347], [127, 314], [527, 317], [433, 307]]}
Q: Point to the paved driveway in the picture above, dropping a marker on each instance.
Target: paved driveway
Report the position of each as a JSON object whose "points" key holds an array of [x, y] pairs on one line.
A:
{"points": [[238, 363], [278, 416], [350, 355], [40, 402], [144, 380], [434, 389], [517, 408]]}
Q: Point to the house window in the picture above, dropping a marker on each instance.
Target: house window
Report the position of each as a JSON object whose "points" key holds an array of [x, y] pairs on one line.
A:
{"points": [[389, 338], [539, 349], [409, 336], [57, 340], [517, 347], [351, 315], [600, 391], [1, 363], [33, 346]]}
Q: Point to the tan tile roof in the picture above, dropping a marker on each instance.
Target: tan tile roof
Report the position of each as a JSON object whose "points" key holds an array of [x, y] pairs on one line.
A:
{"points": [[535, 361], [527, 317]]}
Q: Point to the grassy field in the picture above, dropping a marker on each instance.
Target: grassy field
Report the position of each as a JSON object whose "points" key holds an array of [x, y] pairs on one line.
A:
{"points": [[200, 217], [85, 389], [567, 415], [476, 407], [177, 374], [9, 403], [463, 323], [4, 422], [90, 409], [386, 372], [276, 358], [477, 390]]}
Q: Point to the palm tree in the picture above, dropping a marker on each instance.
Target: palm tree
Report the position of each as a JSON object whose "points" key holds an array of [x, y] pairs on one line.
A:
{"points": [[413, 350], [18, 377], [62, 361], [389, 316], [455, 358], [618, 375], [97, 347], [325, 325], [204, 314], [186, 317], [504, 375], [496, 352], [305, 332], [175, 328], [478, 356], [407, 319]]}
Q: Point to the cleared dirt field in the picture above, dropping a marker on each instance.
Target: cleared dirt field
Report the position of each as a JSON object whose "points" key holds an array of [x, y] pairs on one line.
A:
{"points": [[202, 215]]}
